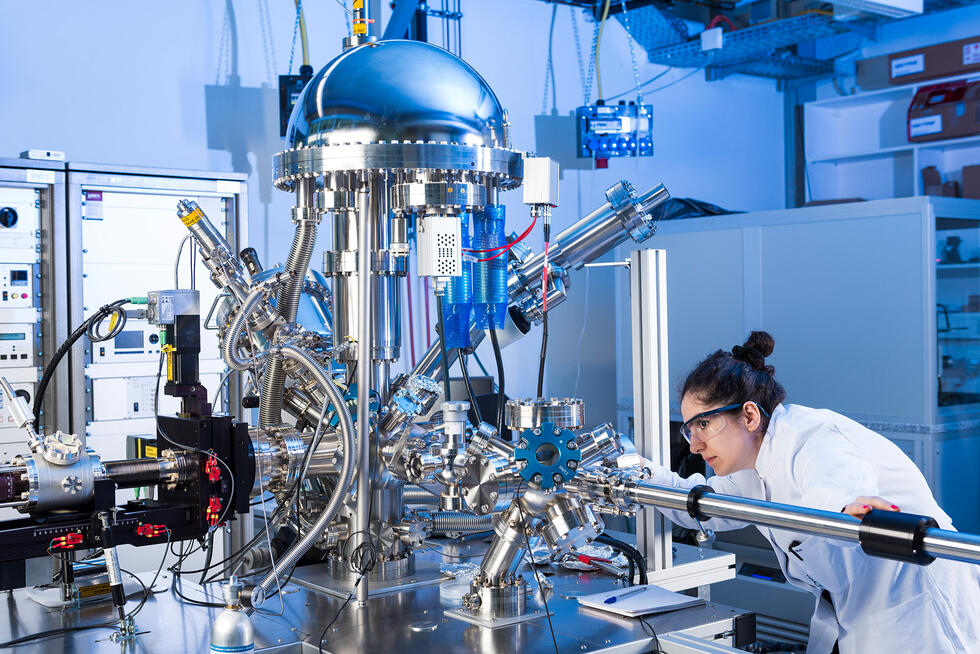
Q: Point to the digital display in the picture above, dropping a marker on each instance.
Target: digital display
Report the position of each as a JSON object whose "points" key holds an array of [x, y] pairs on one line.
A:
{"points": [[129, 340], [18, 278], [13, 337]]}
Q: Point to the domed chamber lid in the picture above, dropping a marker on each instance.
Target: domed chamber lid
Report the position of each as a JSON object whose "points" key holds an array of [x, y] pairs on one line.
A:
{"points": [[396, 90]]}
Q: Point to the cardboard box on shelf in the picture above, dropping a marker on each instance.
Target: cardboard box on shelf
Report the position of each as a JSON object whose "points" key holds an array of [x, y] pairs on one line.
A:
{"points": [[932, 181], [944, 111], [934, 61], [971, 182]]}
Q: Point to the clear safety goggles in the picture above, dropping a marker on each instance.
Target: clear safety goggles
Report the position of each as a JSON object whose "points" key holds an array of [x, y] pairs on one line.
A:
{"points": [[708, 424]]}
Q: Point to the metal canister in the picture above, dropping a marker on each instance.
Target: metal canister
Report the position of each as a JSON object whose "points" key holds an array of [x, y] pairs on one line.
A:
{"points": [[232, 631]]}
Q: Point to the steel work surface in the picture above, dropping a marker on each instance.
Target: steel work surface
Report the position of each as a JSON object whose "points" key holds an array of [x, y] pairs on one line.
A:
{"points": [[411, 621]]}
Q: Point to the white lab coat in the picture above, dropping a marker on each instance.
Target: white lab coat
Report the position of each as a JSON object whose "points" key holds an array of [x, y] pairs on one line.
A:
{"points": [[821, 459]]}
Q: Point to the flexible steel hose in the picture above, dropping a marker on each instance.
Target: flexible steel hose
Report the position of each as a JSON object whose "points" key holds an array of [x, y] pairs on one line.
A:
{"points": [[287, 305], [458, 521], [303, 545]]}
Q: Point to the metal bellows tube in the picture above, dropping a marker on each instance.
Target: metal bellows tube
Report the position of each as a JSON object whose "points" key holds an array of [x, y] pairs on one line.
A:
{"points": [[287, 300], [458, 521], [294, 553]]}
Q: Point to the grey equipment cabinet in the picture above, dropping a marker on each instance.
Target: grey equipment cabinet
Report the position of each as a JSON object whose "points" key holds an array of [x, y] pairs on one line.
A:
{"points": [[32, 288], [124, 237], [875, 308]]}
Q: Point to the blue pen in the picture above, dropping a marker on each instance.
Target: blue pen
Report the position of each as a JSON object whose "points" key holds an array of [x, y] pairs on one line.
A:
{"points": [[629, 593]]}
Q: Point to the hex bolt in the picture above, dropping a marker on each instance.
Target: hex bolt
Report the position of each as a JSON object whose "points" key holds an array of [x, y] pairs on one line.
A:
{"points": [[557, 478]]}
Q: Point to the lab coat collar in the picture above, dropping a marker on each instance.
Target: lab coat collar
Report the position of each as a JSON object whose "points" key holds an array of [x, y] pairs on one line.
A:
{"points": [[766, 458]]}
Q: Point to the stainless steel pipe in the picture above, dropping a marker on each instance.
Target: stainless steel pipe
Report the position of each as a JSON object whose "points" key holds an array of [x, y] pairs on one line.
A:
{"points": [[940, 543], [365, 225]]}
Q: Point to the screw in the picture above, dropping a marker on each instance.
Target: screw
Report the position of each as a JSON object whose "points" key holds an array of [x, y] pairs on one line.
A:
{"points": [[536, 431], [557, 432], [572, 445], [557, 478], [536, 478], [573, 464]]}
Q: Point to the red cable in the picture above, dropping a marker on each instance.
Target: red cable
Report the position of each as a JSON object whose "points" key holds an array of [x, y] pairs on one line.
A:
{"points": [[719, 18], [506, 246]]}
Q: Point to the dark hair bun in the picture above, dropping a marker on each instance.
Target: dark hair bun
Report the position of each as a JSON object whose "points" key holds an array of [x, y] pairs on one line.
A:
{"points": [[755, 350]]}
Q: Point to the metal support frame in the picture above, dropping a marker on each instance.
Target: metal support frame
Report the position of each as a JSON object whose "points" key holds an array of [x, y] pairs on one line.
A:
{"points": [[403, 20], [651, 389]]}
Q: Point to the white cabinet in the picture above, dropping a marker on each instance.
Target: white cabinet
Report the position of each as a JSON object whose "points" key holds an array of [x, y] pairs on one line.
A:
{"points": [[857, 297]]}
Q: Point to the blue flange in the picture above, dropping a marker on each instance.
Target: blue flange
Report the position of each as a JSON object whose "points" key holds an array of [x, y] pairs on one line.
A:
{"points": [[547, 456]]}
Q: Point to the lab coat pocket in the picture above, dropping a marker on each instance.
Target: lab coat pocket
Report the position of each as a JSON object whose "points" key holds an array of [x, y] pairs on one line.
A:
{"points": [[911, 624], [818, 562]]}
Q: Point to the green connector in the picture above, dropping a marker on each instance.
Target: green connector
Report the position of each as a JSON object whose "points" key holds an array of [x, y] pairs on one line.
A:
{"points": [[138, 300]]}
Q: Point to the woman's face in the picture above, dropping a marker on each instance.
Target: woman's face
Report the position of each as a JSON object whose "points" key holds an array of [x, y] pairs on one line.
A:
{"points": [[727, 441]]}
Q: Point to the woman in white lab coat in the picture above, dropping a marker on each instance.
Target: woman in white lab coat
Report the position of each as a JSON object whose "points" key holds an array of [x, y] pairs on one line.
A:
{"points": [[759, 448]]}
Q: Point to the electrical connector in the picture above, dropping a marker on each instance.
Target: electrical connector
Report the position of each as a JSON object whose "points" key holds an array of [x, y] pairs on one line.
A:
{"points": [[212, 469], [67, 542], [150, 531]]}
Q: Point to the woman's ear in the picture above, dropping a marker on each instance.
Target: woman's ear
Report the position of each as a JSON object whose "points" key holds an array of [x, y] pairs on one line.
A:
{"points": [[753, 417]]}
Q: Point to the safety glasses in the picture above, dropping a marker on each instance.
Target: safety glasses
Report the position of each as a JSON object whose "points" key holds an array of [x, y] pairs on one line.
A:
{"points": [[708, 424]]}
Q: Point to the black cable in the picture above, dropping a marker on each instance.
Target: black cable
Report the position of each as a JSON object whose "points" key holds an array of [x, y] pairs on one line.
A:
{"points": [[64, 631], [544, 314], [544, 352], [441, 328], [163, 434], [534, 569], [323, 634], [207, 558], [629, 552], [650, 631], [500, 382], [89, 326], [469, 386]]}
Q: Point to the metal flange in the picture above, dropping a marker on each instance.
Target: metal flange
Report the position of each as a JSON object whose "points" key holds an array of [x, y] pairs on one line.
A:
{"points": [[419, 195], [501, 163], [547, 456], [564, 413]]}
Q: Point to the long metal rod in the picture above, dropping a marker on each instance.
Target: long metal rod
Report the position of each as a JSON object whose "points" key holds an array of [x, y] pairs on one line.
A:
{"points": [[365, 224], [940, 543]]}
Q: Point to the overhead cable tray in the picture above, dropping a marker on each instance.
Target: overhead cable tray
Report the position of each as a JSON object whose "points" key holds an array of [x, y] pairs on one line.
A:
{"points": [[750, 44]]}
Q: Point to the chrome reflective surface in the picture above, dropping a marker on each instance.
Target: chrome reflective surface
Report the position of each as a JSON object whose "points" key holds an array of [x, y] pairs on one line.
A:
{"points": [[387, 623], [396, 91]]}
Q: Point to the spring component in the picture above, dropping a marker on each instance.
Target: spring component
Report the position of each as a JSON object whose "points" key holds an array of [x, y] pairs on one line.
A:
{"points": [[490, 276], [458, 522], [415, 495]]}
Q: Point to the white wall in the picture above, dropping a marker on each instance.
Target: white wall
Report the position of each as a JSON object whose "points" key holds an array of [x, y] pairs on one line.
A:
{"points": [[126, 82], [718, 141]]}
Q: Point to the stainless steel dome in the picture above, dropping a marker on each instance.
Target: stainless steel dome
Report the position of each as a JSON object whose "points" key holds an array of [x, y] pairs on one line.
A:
{"points": [[396, 91]]}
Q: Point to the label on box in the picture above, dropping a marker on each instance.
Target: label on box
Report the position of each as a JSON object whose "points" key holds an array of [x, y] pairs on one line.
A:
{"points": [[971, 53], [908, 65], [926, 125]]}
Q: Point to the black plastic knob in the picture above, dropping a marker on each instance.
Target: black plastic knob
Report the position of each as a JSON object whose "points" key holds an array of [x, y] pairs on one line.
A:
{"points": [[250, 402], [8, 216]]}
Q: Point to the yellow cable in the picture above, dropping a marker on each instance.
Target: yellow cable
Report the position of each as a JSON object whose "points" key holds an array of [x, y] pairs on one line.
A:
{"points": [[598, 40], [302, 33]]}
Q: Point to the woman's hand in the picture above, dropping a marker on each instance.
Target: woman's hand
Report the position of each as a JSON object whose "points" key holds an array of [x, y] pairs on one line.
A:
{"points": [[862, 505]]}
